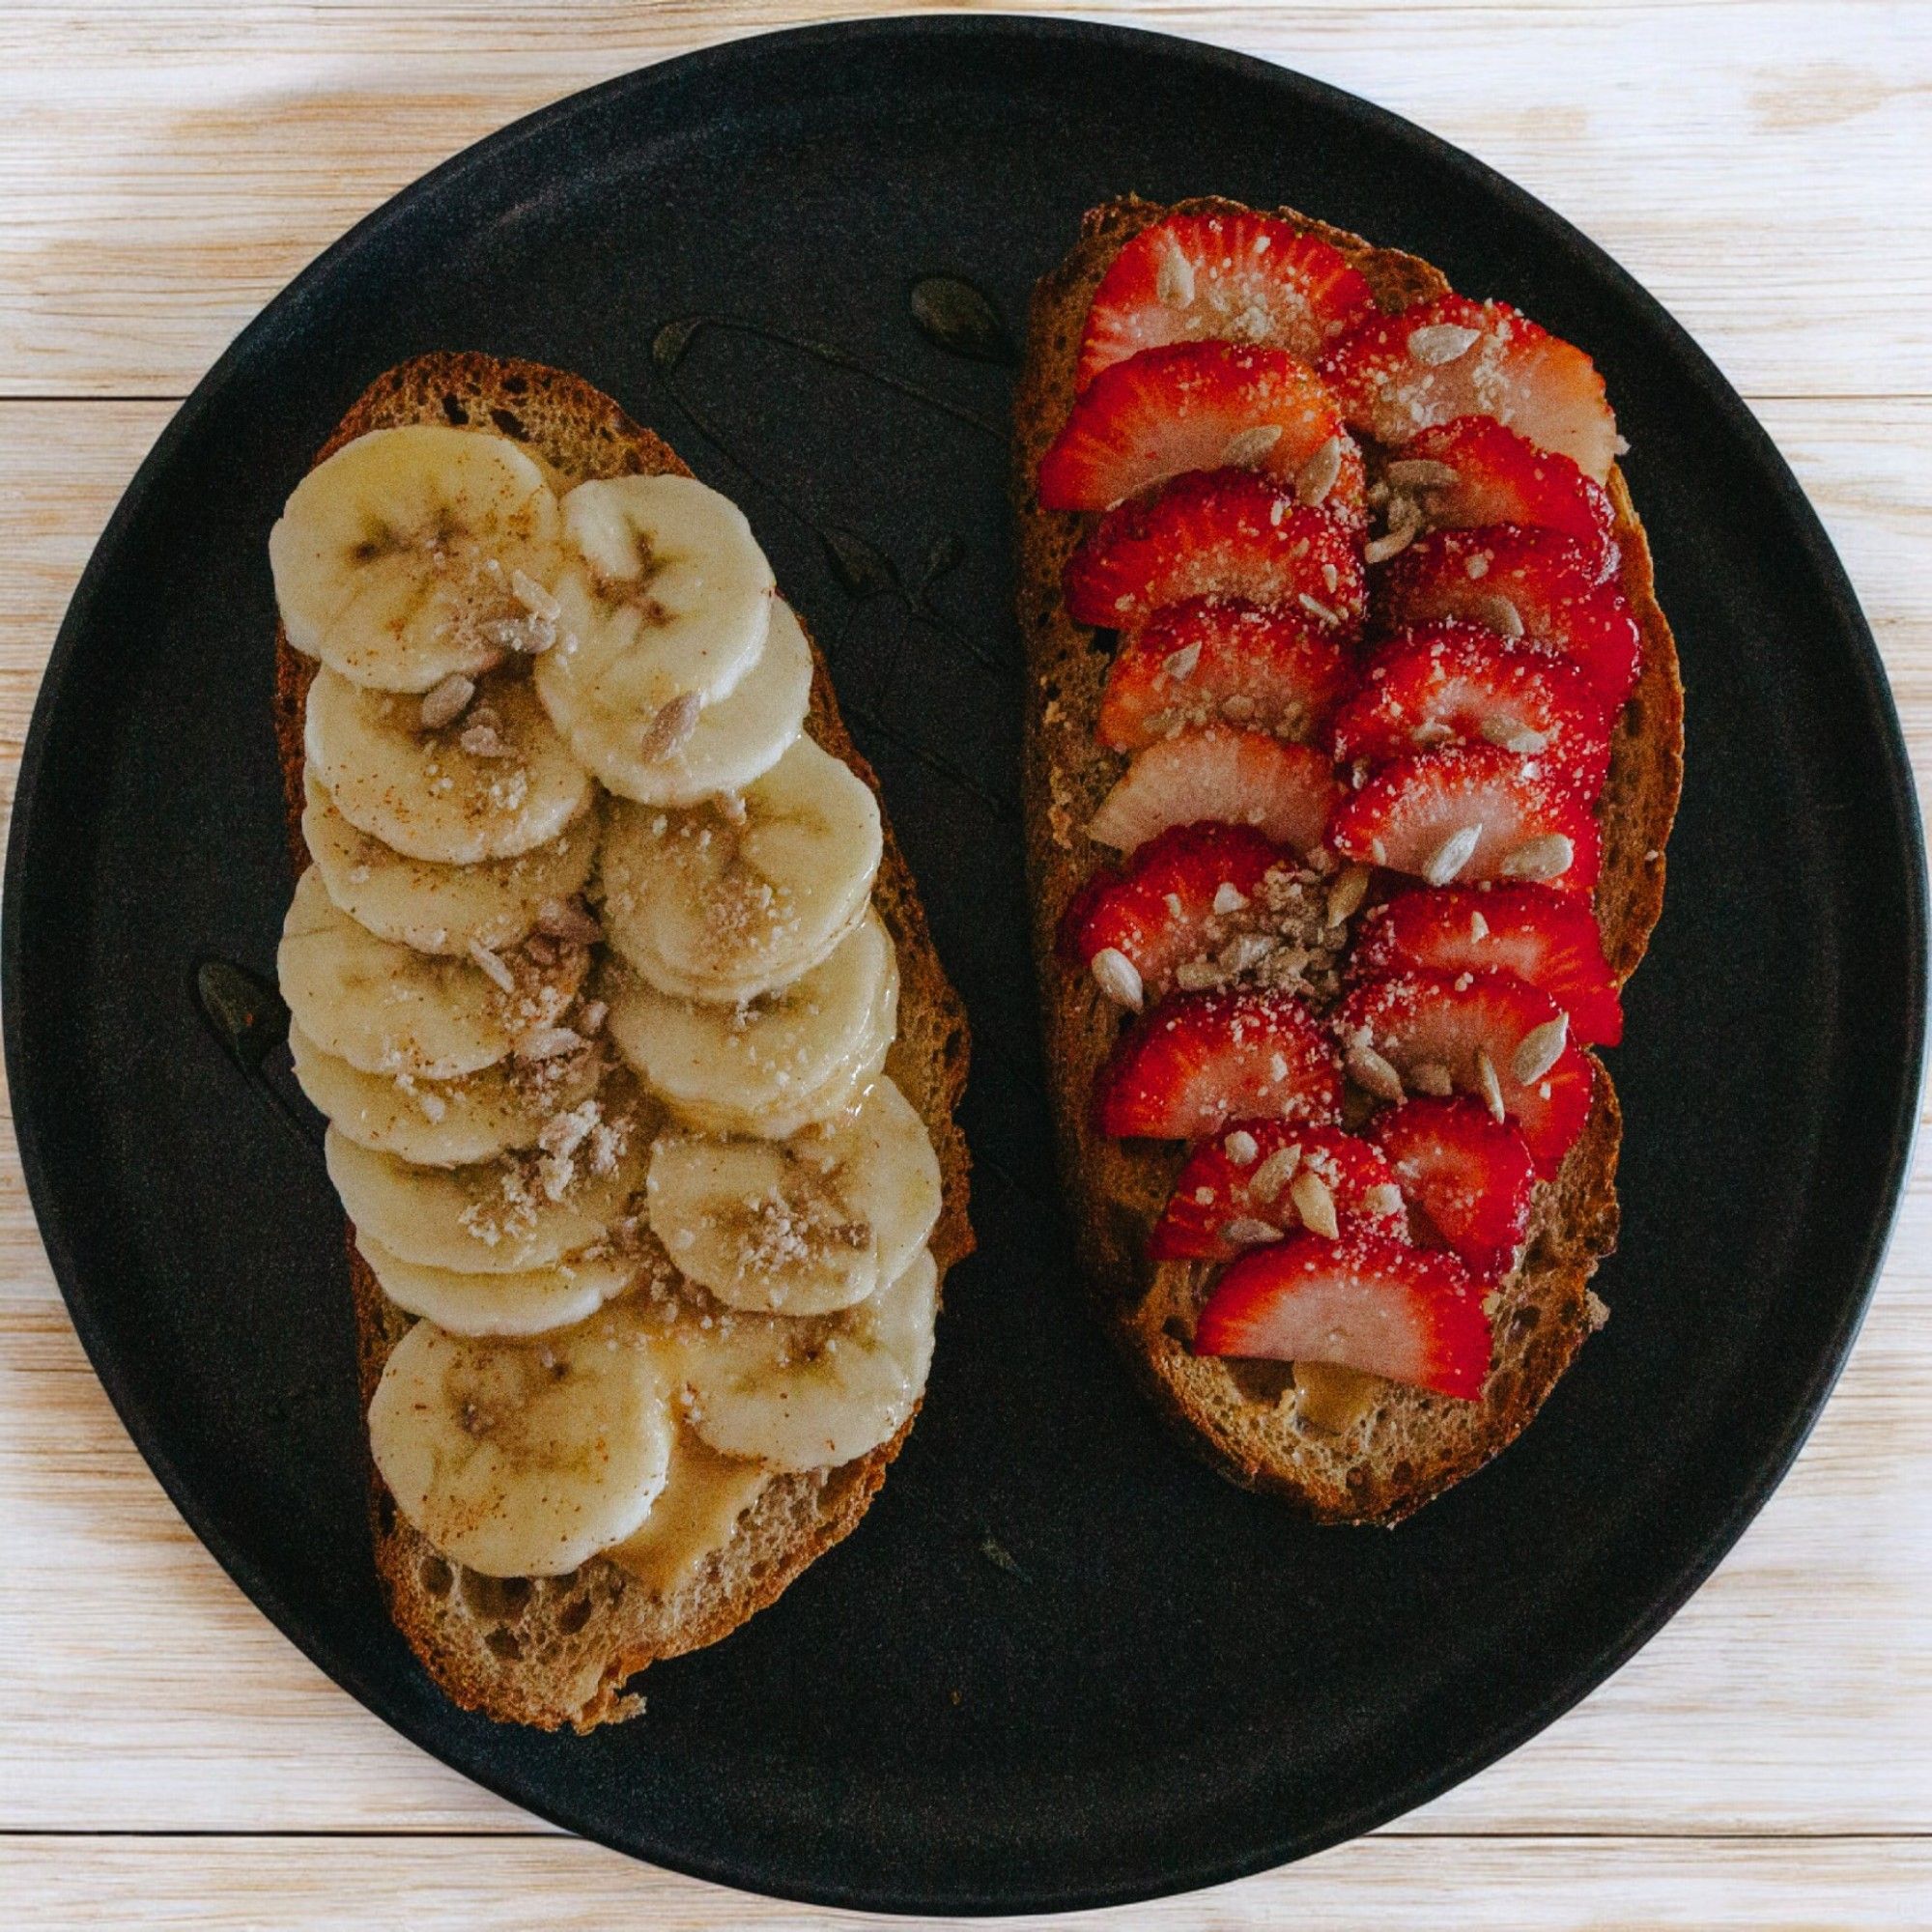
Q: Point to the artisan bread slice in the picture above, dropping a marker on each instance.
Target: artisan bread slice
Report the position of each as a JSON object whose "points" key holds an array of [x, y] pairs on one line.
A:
{"points": [[1345, 1448], [556, 1651]]}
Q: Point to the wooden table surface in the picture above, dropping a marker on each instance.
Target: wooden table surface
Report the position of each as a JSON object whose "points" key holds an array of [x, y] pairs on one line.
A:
{"points": [[166, 1757]]}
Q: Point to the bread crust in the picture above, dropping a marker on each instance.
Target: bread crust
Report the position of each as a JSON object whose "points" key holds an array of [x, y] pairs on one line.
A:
{"points": [[557, 1651], [1407, 1445]]}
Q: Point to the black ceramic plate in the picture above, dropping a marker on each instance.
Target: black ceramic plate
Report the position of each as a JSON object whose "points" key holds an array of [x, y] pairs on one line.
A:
{"points": [[1060, 1664]]}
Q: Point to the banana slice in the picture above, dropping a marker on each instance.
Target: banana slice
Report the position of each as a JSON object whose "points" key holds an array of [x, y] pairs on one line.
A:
{"points": [[810, 1394], [425, 793], [523, 1458], [505, 1216], [803, 1225], [778, 1063], [665, 608], [728, 743], [726, 901], [445, 1122], [414, 555], [696, 1511], [530, 1302], [384, 1008], [441, 908]]}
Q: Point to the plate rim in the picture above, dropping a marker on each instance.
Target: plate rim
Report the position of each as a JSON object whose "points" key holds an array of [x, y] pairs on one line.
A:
{"points": [[1553, 231]]}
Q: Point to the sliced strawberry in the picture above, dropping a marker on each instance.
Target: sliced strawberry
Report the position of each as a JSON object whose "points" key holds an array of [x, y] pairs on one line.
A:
{"points": [[1476, 470], [1539, 582], [1415, 815], [1470, 1175], [1550, 939], [1260, 1180], [1174, 903], [1444, 1029], [1214, 772], [1235, 277], [1458, 684], [1217, 533], [1211, 659], [1204, 405], [1200, 1059], [1398, 375], [1366, 1301]]}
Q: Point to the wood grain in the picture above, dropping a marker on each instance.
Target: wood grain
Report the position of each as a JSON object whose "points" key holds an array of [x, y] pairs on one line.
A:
{"points": [[166, 165]]}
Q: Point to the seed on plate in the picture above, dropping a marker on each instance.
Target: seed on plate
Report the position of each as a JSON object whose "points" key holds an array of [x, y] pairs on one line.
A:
{"points": [[1418, 473], [446, 703], [1501, 615], [1540, 1049], [1249, 446], [1274, 1172], [1245, 1232], [1441, 342], [1315, 1203], [1315, 477], [1549, 856], [669, 727], [1119, 978], [1345, 896], [1491, 1087], [1431, 1077], [492, 967], [1374, 1074], [1452, 855]]}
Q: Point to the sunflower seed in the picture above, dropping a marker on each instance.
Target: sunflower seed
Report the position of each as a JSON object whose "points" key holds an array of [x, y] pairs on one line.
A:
{"points": [[1374, 1074], [1540, 1049], [1245, 1232], [1418, 473], [1486, 1079], [1315, 477], [1315, 1203], [568, 918], [1119, 978], [1441, 342], [1173, 281], [548, 1042], [1180, 665], [1345, 894], [1511, 737], [1546, 857], [494, 967], [669, 727], [534, 598], [1197, 975], [1452, 855], [1431, 1076], [1499, 614], [1247, 447], [444, 704], [1274, 1172]]}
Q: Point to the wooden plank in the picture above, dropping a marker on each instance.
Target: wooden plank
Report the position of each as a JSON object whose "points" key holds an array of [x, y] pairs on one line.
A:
{"points": [[147, 1692], [1374, 1885], [163, 180]]}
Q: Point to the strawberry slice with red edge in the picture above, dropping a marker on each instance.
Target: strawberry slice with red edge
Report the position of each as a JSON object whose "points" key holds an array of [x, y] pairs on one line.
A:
{"points": [[1458, 684], [1260, 1180], [1519, 582], [1204, 406], [1217, 533], [1550, 939], [1176, 901], [1483, 1033], [1476, 470], [1285, 791], [1469, 1177], [1398, 375], [1366, 1301], [1477, 812], [1215, 660], [1237, 277], [1200, 1059]]}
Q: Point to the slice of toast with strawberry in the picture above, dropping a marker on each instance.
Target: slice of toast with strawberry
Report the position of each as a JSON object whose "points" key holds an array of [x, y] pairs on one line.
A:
{"points": [[1355, 740]]}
